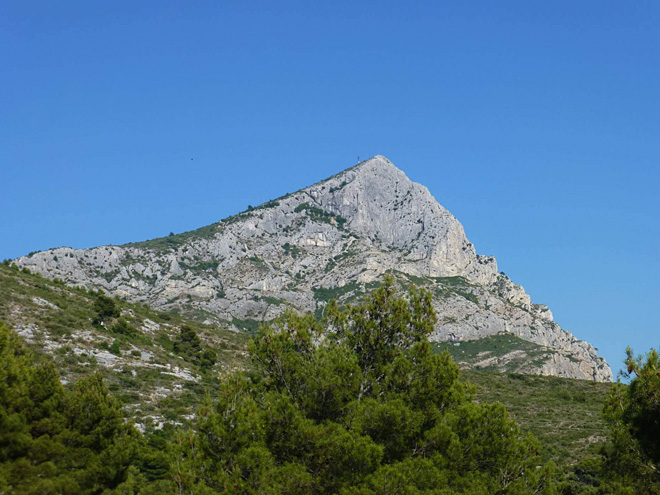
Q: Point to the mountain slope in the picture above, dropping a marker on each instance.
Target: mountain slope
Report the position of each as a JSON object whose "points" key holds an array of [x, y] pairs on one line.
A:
{"points": [[336, 238], [136, 349]]}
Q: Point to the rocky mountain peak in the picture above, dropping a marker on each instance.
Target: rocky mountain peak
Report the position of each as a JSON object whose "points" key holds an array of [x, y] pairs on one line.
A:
{"points": [[334, 239], [380, 201]]}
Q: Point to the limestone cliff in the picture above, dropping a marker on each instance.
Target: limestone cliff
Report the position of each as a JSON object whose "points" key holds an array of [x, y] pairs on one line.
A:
{"points": [[336, 238]]}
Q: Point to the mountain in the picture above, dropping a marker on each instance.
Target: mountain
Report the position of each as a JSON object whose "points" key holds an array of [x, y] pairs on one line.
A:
{"points": [[335, 239]]}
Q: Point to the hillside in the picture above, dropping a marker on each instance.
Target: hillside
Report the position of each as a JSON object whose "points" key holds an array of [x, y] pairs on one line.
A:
{"points": [[564, 414], [337, 238], [135, 351], [159, 388]]}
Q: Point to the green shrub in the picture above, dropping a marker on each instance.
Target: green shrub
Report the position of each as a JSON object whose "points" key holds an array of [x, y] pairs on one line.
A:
{"points": [[105, 307], [115, 348], [122, 327]]}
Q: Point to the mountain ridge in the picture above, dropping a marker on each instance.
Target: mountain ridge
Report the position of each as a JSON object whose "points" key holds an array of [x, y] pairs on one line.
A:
{"points": [[337, 237]]}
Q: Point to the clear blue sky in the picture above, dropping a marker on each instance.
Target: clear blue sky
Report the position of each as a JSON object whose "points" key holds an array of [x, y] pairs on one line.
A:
{"points": [[536, 123]]}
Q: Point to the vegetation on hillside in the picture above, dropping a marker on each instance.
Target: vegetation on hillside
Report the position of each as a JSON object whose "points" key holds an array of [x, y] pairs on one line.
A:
{"points": [[58, 441], [159, 365], [174, 241], [565, 415], [358, 404], [503, 352]]}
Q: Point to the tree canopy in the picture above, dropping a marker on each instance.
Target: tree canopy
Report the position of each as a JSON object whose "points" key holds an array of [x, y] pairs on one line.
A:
{"points": [[633, 411], [57, 441], [357, 404]]}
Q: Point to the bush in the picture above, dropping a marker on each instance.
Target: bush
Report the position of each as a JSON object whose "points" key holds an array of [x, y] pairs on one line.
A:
{"points": [[105, 307], [208, 359], [114, 348], [122, 327], [188, 344]]}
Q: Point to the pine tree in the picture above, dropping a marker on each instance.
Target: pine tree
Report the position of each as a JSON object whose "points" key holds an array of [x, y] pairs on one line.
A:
{"points": [[54, 441], [633, 411], [357, 405]]}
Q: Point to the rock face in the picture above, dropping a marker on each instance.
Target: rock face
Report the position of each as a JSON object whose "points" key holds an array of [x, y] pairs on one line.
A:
{"points": [[334, 239]]}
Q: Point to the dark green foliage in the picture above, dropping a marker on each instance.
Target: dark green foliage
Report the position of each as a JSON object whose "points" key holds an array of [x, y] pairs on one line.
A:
{"points": [[105, 307], [356, 405], [293, 251], [122, 327], [200, 267], [268, 204], [71, 314], [641, 411], [325, 294], [628, 465], [468, 295], [340, 186], [54, 441], [115, 348], [634, 414], [270, 300], [188, 344], [320, 413], [331, 264], [236, 218], [208, 359], [564, 414], [452, 281]]}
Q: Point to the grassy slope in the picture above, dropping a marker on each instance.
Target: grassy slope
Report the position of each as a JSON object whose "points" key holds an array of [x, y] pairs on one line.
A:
{"points": [[564, 414]]}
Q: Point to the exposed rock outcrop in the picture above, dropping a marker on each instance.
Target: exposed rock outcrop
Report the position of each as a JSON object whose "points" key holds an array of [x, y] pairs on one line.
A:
{"points": [[336, 238]]}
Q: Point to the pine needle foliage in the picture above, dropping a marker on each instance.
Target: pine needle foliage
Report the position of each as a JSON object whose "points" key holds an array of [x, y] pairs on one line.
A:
{"points": [[58, 441], [356, 404]]}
